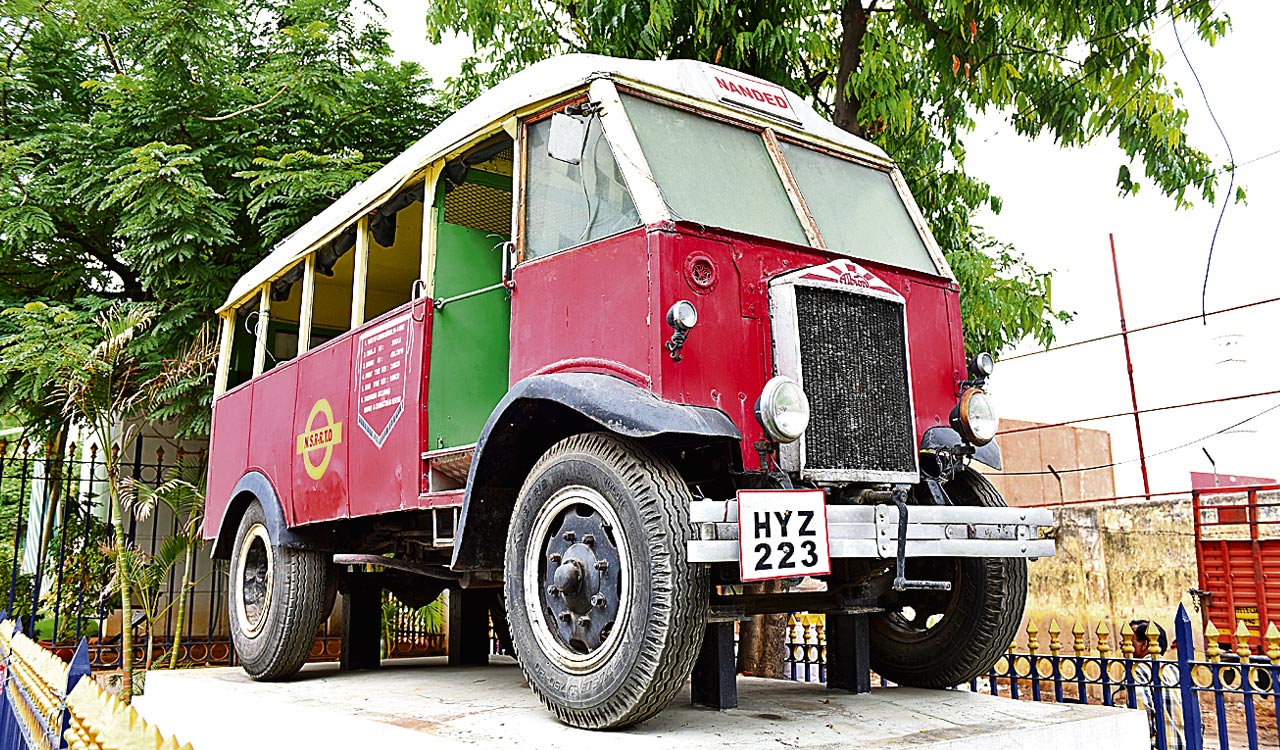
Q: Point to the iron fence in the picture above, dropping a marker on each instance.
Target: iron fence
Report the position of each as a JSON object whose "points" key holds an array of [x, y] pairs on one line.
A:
{"points": [[56, 536], [55, 555], [1222, 697]]}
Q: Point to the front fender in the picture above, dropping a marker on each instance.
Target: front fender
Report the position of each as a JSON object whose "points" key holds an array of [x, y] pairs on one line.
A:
{"points": [[538, 412], [945, 437]]}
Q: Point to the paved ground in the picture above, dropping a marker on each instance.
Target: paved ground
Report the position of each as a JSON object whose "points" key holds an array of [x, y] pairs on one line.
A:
{"points": [[425, 703]]}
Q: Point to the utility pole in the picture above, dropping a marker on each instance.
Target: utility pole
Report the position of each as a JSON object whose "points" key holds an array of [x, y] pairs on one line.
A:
{"points": [[1128, 361]]}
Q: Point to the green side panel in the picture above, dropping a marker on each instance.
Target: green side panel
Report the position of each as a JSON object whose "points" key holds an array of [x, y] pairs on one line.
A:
{"points": [[470, 338]]}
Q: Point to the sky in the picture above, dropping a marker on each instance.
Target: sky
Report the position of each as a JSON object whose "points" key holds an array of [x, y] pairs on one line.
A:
{"points": [[1060, 205]]}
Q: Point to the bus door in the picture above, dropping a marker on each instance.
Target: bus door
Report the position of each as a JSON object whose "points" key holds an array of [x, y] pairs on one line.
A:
{"points": [[471, 323]]}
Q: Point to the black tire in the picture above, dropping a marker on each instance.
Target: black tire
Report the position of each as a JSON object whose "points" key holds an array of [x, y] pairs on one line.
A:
{"points": [[276, 600], [642, 635], [979, 616]]}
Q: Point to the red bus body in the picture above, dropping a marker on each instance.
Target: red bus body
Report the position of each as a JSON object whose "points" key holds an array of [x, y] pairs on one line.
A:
{"points": [[596, 308]]}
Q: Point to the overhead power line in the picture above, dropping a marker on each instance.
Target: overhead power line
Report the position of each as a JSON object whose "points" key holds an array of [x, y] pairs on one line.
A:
{"points": [[1153, 326], [1188, 444]]}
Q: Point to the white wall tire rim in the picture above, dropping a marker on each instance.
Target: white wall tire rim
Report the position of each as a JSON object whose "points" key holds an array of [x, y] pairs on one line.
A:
{"points": [[253, 602]]}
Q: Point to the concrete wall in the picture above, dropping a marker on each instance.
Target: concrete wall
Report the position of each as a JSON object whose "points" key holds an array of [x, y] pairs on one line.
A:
{"points": [[1118, 562]]}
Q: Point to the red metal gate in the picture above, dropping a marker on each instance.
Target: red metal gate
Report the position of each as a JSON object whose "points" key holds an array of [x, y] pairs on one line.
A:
{"points": [[1238, 558]]}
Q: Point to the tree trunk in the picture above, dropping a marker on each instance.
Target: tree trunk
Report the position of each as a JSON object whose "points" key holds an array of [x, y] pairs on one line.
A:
{"points": [[853, 23], [762, 640], [183, 585], [126, 599]]}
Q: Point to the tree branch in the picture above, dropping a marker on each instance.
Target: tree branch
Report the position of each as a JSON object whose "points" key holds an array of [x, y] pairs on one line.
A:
{"points": [[853, 22], [111, 53], [248, 109]]}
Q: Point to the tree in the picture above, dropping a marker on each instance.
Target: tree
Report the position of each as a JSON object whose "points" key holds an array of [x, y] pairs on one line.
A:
{"points": [[153, 152], [911, 76]]}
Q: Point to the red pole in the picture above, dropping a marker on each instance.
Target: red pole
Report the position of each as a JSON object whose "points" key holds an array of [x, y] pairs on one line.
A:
{"points": [[1128, 362]]}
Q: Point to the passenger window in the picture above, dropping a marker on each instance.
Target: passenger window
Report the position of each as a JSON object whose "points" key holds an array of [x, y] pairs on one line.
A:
{"points": [[335, 278], [286, 313], [395, 252], [244, 341], [570, 204]]}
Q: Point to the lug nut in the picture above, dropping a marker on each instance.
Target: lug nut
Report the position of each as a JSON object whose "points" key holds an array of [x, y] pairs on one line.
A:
{"points": [[584, 622], [552, 591], [589, 539], [598, 601], [569, 536], [602, 564], [555, 557], [566, 616]]}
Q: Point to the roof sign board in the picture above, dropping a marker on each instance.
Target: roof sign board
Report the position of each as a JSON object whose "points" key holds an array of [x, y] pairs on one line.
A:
{"points": [[751, 93]]}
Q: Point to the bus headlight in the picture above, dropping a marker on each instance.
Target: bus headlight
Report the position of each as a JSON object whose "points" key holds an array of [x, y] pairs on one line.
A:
{"points": [[974, 417], [783, 409]]}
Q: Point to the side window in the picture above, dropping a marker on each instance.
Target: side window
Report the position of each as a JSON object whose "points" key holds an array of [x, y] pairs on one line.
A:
{"points": [[286, 312], [244, 340], [569, 204], [335, 279], [395, 252]]}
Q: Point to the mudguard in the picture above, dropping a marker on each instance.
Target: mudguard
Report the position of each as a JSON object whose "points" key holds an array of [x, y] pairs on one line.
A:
{"points": [[945, 437], [253, 486], [539, 411]]}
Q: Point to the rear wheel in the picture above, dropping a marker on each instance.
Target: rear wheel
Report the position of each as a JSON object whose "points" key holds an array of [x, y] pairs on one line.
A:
{"points": [[606, 613], [942, 638], [277, 598]]}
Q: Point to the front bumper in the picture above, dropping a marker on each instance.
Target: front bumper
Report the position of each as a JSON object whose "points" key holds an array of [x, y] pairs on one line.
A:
{"points": [[871, 531]]}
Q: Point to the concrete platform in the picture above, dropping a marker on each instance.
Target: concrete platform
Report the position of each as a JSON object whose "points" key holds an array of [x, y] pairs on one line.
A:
{"points": [[422, 703]]}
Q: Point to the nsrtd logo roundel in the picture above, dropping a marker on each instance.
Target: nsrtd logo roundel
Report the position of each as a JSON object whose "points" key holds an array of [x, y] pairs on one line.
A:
{"points": [[318, 440]]}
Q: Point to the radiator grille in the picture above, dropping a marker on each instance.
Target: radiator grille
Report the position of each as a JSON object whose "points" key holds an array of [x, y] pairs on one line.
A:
{"points": [[854, 368]]}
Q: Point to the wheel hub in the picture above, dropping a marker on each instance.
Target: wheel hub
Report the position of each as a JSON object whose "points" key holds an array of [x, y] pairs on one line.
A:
{"points": [[582, 564]]}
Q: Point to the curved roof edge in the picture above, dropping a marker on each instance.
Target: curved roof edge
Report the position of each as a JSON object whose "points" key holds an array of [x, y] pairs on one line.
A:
{"points": [[540, 81]]}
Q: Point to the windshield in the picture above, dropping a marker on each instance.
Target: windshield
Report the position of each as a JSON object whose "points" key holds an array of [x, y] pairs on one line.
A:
{"points": [[715, 173], [857, 209]]}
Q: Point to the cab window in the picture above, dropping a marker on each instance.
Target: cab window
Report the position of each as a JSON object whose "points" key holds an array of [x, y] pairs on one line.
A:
{"points": [[712, 172], [857, 209], [570, 204]]}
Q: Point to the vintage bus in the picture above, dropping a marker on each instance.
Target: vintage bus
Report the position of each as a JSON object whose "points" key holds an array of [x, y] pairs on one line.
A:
{"points": [[618, 340]]}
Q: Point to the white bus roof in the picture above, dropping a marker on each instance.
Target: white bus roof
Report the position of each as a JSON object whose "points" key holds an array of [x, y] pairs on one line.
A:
{"points": [[538, 82]]}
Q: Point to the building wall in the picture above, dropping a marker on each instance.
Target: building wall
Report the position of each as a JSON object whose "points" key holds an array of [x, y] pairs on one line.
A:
{"points": [[1062, 447], [1116, 562]]}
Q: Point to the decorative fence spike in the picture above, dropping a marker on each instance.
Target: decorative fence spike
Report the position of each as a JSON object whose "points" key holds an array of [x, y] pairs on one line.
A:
{"points": [[1153, 643], [1055, 643], [1211, 648], [94, 719], [1104, 639], [1032, 632], [1272, 638], [1242, 641], [1077, 633], [1126, 640]]}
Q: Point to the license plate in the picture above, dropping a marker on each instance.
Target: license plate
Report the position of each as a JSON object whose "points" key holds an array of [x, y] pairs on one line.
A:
{"points": [[782, 534]]}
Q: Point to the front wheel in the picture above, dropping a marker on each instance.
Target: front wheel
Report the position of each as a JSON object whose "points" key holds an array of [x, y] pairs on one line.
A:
{"points": [[277, 597], [937, 639], [606, 613]]}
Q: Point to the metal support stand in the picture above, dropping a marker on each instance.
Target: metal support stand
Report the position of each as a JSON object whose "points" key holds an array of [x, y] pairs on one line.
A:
{"points": [[361, 621], [714, 682], [848, 653], [469, 626]]}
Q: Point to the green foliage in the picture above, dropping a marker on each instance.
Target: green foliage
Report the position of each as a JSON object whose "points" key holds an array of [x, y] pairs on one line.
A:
{"points": [[911, 76], [153, 152]]}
